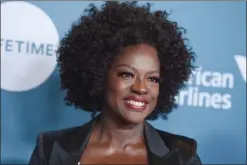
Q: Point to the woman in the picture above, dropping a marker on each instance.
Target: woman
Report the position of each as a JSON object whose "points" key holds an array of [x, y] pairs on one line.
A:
{"points": [[127, 63]]}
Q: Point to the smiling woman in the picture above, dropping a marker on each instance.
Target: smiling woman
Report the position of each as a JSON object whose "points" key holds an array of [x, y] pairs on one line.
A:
{"points": [[127, 63], [133, 88]]}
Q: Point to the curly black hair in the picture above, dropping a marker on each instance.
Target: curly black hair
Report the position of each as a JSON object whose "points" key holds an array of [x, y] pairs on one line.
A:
{"points": [[86, 51]]}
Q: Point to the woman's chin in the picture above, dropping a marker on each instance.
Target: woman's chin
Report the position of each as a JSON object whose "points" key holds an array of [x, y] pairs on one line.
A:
{"points": [[133, 118], [134, 115]]}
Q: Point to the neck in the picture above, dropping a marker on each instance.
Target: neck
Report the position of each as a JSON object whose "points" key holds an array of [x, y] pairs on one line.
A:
{"points": [[119, 133]]}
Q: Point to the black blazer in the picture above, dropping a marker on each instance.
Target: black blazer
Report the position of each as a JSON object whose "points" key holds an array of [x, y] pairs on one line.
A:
{"points": [[64, 147]]}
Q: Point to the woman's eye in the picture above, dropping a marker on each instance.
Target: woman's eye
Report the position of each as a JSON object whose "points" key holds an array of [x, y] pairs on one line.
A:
{"points": [[125, 74], [154, 79]]}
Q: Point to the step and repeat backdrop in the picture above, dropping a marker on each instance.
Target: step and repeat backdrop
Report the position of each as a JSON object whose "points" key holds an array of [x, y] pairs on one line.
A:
{"points": [[212, 109]]}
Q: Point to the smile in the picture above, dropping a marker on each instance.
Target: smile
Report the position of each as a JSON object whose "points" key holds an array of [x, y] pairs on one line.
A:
{"points": [[135, 105]]}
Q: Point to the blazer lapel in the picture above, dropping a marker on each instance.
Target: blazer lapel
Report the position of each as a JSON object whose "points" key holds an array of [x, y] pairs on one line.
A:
{"points": [[62, 157], [67, 151], [158, 152]]}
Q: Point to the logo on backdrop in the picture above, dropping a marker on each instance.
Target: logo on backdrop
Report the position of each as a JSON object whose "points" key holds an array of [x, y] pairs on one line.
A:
{"points": [[28, 42], [241, 63], [211, 89]]}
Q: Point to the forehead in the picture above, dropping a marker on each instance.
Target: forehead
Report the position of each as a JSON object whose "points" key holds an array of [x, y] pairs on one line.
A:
{"points": [[141, 56]]}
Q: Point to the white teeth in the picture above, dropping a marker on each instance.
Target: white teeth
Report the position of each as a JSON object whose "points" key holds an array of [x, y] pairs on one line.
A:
{"points": [[135, 103]]}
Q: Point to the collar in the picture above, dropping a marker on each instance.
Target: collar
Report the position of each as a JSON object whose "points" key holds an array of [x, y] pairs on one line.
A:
{"points": [[67, 149]]}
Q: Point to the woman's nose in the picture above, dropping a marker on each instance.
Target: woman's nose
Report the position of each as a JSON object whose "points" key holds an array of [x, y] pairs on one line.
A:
{"points": [[139, 87]]}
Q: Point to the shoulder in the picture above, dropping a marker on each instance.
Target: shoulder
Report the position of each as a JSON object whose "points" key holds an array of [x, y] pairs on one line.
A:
{"points": [[47, 139], [178, 141], [45, 143], [60, 134], [63, 136], [186, 146]]}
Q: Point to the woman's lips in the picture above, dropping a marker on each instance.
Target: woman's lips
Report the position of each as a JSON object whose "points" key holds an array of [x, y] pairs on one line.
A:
{"points": [[135, 105]]}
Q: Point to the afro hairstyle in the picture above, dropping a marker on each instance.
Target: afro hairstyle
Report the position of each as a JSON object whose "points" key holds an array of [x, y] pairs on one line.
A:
{"points": [[87, 49]]}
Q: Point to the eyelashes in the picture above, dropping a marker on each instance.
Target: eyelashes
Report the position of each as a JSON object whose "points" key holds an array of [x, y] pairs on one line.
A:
{"points": [[153, 79], [125, 74]]}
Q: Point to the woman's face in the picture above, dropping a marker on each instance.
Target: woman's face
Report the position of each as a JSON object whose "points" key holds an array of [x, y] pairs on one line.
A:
{"points": [[133, 83]]}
